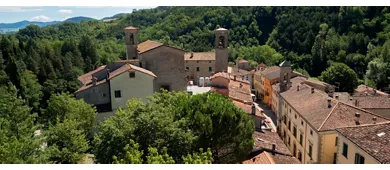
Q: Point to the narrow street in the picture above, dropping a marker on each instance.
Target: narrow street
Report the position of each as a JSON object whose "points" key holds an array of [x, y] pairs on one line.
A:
{"points": [[268, 113]]}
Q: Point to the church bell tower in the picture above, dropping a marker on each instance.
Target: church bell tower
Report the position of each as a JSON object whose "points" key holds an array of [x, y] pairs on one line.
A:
{"points": [[221, 49], [131, 40]]}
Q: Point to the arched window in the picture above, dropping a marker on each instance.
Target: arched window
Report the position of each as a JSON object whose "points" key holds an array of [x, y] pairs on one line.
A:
{"points": [[131, 39], [221, 42]]}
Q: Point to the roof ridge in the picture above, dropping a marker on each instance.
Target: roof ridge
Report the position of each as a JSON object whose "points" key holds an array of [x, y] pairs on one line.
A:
{"points": [[358, 108], [326, 119], [364, 125]]}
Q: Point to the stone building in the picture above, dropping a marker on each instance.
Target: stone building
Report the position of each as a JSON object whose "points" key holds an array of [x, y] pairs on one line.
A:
{"points": [[204, 64], [242, 64]]}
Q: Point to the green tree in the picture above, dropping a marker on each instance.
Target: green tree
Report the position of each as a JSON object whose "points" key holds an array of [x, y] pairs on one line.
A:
{"points": [[31, 89], [199, 158], [339, 73], [64, 106], [69, 142]]}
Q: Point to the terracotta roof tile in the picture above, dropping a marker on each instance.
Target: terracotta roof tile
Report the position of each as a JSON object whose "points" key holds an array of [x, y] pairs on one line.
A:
{"points": [[220, 74], [374, 139], [294, 83], [373, 102], [262, 158], [270, 70], [130, 28], [148, 45], [263, 142], [85, 87], [363, 90], [248, 109], [206, 56], [128, 67], [242, 61], [237, 72], [87, 77]]}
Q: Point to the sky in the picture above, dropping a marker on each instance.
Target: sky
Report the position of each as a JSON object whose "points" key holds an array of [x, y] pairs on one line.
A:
{"points": [[60, 13]]}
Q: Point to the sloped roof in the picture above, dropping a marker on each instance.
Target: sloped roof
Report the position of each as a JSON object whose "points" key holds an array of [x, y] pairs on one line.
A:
{"points": [[220, 74], [313, 107], [128, 67], [294, 83], [373, 102], [263, 142], [87, 77], [148, 45], [363, 90], [206, 56], [373, 139], [271, 72], [242, 61], [130, 28], [237, 72], [248, 109], [262, 158]]}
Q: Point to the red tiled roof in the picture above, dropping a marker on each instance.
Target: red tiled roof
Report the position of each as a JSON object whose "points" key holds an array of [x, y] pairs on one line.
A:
{"points": [[262, 158], [87, 77], [148, 45], [220, 74], [373, 139], [131, 28], [206, 56], [263, 142], [237, 72], [242, 61], [128, 67], [271, 72], [373, 102], [314, 108], [82, 88], [248, 109], [363, 90]]}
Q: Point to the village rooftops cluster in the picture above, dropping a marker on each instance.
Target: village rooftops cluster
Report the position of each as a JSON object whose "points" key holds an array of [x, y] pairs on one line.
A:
{"points": [[269, 148], [374, 139]]}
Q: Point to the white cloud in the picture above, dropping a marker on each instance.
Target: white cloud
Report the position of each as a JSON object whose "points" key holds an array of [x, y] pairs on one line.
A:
{"points": [[65, 11], [41, 18], [19, 9]]}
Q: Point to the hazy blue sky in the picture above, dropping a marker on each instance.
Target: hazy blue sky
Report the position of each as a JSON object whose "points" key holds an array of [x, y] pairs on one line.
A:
{"points": [[15, 14]]}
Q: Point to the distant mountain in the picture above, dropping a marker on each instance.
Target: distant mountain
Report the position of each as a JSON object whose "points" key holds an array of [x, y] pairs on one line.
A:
{"points": [[13, 27], [116, 16], [79, 19]]}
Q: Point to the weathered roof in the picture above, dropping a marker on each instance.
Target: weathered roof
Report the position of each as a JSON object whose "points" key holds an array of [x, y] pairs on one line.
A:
{"points": [[85, 87], [237, 72], [248, 109], [263, 142], [271, 72], [127, 61], [206, 56], [130, 28], [363, 90], [285, 63], [128, 67], [262, 158], [373, 139], [148, 45], [220, 74], [242, 61], [87, 77], [313, 107], [221, 29], [294, 83], [373, 102]]}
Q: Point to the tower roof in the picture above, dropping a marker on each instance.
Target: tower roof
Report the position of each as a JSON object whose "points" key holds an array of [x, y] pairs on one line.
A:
{"points": [[285, 63], [221, 29], [130, 28]]}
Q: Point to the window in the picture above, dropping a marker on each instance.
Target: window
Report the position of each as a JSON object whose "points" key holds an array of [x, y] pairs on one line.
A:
{"points": [[345, 150], [311, 132], [289, 140], [295, 116], [166, 87], [132, 74], [187, 68], [197, 68], [310, 150], [301, 138], [295, 132], [197, 61], [104, 95], [210, 69], [334, 158], [284, 134], [337, 139], [302, 123], [290, 110], [359, 159], [289, 125], [299, 155], [209, 61], [118, 94]]}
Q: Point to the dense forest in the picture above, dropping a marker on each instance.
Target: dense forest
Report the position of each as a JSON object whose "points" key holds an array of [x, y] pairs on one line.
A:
{"points": [[344, 46]]}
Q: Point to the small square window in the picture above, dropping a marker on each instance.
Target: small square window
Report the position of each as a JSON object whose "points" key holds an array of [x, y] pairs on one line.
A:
{"points": [[197, 61], [210, 69], [197, 68], [132, 74], [187, 68], [209, 61], [118, 94], [104, 95], [311, 132]]}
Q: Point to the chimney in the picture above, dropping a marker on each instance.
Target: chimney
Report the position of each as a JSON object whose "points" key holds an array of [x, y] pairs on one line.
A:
{"points": [[298, 87], [374, 92], [312, 90], [254, 159], [94, 79], [357, 118], [108, 74], [356, 103], [240, 85], [273, 149], [192, 54], [253, 109], [350, 98], [234, 78], [374, 120], [329, 102], [336, 96]]}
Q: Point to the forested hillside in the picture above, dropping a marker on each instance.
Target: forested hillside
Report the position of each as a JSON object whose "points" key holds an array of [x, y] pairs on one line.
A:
{"points": [[335, 44]]}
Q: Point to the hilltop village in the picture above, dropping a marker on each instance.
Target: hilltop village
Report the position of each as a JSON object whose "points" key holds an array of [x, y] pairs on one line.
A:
{"points": [[298, 120]]}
